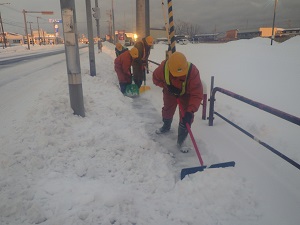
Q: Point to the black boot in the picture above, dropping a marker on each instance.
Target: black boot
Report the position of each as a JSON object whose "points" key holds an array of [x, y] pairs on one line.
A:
{"points": [[182, 134], [166, 126]]}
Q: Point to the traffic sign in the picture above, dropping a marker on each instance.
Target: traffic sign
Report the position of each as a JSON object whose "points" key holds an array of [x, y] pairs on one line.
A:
{"points": [[55, 21]]}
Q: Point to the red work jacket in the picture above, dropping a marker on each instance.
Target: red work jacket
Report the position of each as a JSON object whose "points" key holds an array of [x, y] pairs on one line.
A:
{"points": [[122, 67], [193, 95]]}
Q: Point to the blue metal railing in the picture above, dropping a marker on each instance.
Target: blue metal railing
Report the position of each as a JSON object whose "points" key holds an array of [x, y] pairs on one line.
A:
{"points": [[276, 112]]}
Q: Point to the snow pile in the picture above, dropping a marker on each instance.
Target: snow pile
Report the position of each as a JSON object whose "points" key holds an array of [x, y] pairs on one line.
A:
{"points": [[108, 168]]}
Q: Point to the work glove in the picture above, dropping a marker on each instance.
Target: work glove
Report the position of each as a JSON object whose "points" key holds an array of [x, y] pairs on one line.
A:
{"points": [[173, 90], [144, 63], [188, 117]]}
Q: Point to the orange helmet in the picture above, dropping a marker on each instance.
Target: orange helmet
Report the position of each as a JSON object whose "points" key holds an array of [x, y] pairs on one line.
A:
{"points": [[149, 40], [134, 52], [119, 46], [178, 65]]}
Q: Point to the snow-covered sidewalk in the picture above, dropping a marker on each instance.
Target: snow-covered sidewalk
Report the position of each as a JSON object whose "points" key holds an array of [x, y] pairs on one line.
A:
{"points": [[107, 168]]}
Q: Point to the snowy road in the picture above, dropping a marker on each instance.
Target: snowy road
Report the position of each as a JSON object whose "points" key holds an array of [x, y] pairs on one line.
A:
{"points": [[20, 86]]}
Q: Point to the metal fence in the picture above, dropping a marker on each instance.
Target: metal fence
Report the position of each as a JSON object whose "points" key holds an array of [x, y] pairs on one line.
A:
{"points": [[276, 112]]}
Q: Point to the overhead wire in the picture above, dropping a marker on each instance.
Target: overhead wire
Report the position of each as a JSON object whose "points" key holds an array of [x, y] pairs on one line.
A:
{"points": [[10, 21]]}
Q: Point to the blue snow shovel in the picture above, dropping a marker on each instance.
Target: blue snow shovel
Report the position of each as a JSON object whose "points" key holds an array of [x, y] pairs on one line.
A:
{"points": [[191, 170]]}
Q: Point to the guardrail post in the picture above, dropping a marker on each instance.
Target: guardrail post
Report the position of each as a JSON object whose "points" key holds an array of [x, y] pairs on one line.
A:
{"points": [[211, 103], [204, 107]]}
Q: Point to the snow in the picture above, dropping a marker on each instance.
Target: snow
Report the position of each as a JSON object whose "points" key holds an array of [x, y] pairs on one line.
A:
{"points": [[111, 168]]}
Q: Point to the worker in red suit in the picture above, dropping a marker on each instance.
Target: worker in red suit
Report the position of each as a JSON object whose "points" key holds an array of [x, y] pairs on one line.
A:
{"points": [[140, 65], [179, 79], [123, 67]]}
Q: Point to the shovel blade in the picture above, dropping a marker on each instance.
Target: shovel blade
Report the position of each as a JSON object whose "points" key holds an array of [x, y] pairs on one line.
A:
{"points": [[144, 89], [132, 90], [188, 171]]}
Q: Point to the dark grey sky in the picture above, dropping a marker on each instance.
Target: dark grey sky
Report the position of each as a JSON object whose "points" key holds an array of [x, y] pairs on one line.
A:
{"points": [[210, 15]]}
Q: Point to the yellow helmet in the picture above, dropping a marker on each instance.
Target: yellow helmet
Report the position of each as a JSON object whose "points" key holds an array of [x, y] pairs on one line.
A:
{"points": [[119, 46], [134, 52], [149, 40], [177, 64]]}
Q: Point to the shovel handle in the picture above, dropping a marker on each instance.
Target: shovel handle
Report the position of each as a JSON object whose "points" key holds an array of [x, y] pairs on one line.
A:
{"points": [[190, 133], [144, 76]]}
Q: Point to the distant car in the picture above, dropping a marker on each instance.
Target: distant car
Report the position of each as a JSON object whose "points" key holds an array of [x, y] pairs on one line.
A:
{"points": [[161, 41], [183, 41], [129, 41]]}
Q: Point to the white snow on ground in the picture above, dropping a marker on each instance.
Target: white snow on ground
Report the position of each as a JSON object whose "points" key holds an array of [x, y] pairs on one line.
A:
{"points": [[110, 168]]}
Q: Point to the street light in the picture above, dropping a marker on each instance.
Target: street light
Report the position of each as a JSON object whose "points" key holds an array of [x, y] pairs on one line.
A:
{"points": [[24, 13], [272, 38]]}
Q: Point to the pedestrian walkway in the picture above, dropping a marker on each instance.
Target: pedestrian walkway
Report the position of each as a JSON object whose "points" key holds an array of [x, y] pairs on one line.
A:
{"points": [[152, 119]]}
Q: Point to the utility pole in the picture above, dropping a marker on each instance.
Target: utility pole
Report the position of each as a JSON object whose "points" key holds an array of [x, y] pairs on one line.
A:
{"points": [[110, 27], [147, 18], [113, 22], [37, 19], [2, 29], [90, 37], [3, 33], [26, 31], [24, 14], [272, 38], [142, 18], [97, 18], [44, 40], [108, 12], [54, 25], [31, 33], [68, 14]]}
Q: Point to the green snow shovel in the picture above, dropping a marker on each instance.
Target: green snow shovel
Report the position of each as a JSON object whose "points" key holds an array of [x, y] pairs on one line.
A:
{"points": [[132, 90]]}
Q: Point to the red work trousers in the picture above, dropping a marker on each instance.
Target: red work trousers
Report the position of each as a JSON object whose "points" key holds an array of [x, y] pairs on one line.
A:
{"points": [[170, 104]]}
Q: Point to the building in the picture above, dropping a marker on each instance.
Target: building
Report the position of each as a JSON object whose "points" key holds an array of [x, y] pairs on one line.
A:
{"points": [[248, 34], [285, 34], [12, 39], [205, 38], [231, 35], [158, 33], [35, 37], [289, 32], [267, 31]]}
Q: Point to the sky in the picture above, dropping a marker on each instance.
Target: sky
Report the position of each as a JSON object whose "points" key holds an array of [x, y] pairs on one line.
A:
{"points": [[111, 168], [209, 15]]}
